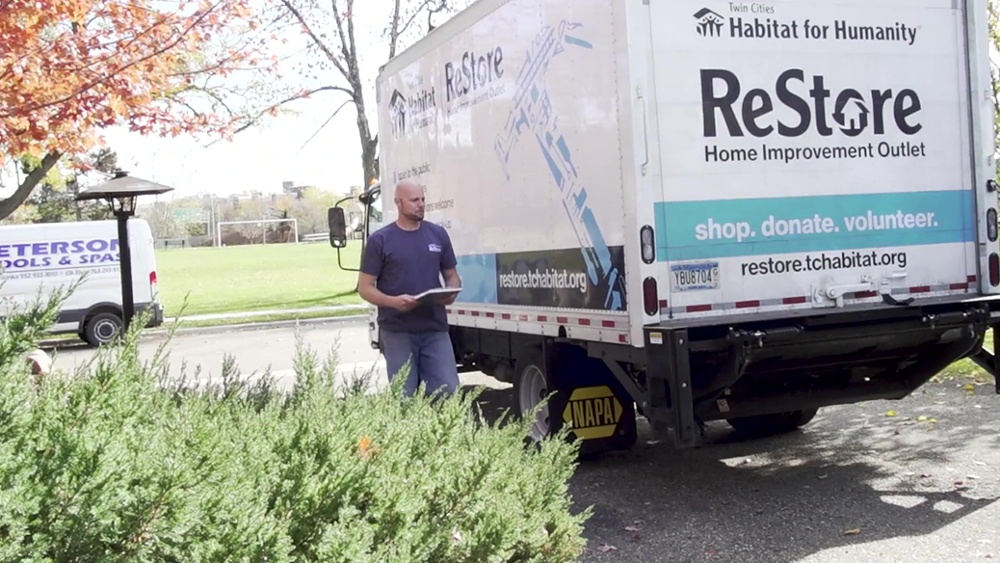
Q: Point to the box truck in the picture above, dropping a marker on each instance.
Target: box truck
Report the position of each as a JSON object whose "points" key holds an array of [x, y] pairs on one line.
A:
{"points": [[703, 210], [38, 259]]}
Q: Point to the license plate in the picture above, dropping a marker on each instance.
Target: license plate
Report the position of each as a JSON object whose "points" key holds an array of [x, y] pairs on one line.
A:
{"points": [[690, 277]]}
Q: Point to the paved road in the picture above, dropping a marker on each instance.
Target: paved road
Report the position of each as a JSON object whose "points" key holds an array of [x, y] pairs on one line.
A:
{"points": [[854, 485], [254, 350]]}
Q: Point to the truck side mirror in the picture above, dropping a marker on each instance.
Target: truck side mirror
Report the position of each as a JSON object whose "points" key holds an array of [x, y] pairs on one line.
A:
{"points": [[338, 227]]}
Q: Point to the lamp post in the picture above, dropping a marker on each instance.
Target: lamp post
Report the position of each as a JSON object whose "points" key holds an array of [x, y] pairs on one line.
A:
{"points": [[121, 193]]}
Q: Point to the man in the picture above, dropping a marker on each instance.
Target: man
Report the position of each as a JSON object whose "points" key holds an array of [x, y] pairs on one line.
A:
{"points": [[403, 259]]}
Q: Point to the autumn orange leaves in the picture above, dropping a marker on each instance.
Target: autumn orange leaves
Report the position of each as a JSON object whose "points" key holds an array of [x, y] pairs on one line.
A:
{"points": [[71, 67]]}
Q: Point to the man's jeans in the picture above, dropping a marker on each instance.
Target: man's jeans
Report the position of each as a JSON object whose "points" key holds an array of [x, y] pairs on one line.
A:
{"points": [[431, 356]]}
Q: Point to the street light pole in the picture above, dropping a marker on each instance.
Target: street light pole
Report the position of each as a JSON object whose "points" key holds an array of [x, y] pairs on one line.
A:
{"points": [[125, 268], [121, 193]]}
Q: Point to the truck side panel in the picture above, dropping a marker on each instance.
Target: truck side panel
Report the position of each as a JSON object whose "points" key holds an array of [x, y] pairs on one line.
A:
{"points": [[815, 155], [510, 119]]}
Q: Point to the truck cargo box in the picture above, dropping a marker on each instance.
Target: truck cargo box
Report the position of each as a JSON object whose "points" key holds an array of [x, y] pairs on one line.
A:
{"points": [[606, 165]]}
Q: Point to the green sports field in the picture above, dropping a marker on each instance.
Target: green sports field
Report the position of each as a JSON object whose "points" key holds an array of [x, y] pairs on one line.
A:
{"points": [[255, 277]]}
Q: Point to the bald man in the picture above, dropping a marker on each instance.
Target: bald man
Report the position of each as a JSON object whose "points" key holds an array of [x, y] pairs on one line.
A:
{"points": [[403, 259]]}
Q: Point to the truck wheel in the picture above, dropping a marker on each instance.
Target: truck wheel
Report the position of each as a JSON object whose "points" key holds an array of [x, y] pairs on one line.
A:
{"points": [[772, 424], [587, 397], [102, 328], [531, 387]]}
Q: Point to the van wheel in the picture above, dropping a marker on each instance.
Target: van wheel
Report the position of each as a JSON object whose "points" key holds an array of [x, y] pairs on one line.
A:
{"points": [[102, 328]]}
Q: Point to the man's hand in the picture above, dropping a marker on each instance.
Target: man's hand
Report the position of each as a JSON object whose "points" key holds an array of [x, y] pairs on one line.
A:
{"points": [[448, 300], [404, 303]]}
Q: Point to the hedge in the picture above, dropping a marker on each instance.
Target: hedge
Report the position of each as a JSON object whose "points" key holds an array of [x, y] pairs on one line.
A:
{"points": [[120, 462]]}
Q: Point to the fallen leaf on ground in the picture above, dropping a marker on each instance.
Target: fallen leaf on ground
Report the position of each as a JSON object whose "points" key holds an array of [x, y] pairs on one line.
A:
{"points": [[606, 548], [892, 413], [853, 532], [632, 528]]}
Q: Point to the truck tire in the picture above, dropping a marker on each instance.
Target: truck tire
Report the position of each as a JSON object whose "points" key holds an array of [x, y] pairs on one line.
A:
{"points": [[574, 386], [772, 424], [532, 385], [102, 328]]}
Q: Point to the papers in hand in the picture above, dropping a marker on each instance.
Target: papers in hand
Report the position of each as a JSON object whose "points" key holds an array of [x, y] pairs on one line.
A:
{"points": [[436, 294]]}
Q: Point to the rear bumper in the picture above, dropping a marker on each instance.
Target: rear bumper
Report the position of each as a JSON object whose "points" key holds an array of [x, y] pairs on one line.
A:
{"points": [[156, 313]]}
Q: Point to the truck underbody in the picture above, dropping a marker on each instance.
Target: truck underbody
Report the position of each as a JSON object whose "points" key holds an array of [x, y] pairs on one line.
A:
{"points": [[763, 376]]}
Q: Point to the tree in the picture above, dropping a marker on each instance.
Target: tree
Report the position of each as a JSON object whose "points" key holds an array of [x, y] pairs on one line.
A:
{"points": [[162, 222], [331, 35], [54, 199], [308, 208], [71, 67]]}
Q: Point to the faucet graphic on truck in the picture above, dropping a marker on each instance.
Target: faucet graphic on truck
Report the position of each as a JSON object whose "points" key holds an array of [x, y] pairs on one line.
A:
{"points": [[533, 113]]}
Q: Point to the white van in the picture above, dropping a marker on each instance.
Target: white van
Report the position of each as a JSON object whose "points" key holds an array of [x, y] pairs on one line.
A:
{"points": [[37, 259]]}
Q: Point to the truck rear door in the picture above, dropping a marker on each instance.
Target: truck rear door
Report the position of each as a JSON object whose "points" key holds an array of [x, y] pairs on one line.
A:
{"points": [[814, 153]]}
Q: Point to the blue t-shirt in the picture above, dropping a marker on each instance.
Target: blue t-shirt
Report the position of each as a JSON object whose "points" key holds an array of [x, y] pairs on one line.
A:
{"points": [[409, 262]]}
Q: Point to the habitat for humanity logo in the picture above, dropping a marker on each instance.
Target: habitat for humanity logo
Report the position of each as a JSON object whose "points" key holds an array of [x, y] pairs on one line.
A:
{"points": [[743, 24], [413, 113], [709, 23]]}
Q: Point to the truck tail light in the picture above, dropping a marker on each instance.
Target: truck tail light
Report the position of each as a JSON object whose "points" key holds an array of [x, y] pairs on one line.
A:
{"points": [[647, 244], [994, 269], [650, 299], [991, 224], [153, 286]]}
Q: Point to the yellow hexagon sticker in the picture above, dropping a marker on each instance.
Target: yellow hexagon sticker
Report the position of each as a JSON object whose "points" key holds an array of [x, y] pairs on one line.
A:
{"points": [[592, 412]]}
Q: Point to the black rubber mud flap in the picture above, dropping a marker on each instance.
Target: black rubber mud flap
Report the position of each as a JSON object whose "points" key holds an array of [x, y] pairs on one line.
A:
{"points": [[590, 401]]}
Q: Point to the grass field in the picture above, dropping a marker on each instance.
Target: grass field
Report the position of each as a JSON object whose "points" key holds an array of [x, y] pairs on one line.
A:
{"points": [[255, 277]]}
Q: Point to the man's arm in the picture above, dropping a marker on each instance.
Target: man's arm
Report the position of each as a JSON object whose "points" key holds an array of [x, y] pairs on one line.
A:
{"points": [[451, 278], [449, 270], [371, 294]]}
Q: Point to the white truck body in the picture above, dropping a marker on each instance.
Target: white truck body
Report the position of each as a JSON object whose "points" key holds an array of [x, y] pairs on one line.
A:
{"points": [[703, 210], [788, 156], [38, 259]]}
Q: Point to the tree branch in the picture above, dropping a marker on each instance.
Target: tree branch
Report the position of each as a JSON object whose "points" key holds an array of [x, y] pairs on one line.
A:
{"points": [[394, 30], [292, 98], [325, 123], [353, 46], [315, 39], [346, 43], [10, 205], [409, 22]]}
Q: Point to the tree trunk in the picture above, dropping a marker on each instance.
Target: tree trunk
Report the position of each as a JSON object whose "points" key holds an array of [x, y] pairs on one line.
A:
{"points": [[369, 146], [23, 192]]}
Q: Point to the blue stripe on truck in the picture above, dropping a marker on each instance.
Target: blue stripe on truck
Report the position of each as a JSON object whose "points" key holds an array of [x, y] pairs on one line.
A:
{"points": [[748, 227]]}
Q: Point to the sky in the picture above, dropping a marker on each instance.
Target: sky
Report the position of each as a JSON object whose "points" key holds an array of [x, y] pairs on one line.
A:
{"points": [[261, 159]]}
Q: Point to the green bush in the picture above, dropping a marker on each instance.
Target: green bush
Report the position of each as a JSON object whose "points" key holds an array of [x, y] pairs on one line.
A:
{"points": [[117, 462]]}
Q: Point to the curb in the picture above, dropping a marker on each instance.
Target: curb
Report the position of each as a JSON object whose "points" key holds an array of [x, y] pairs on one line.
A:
{"points": [[243, 327]]}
